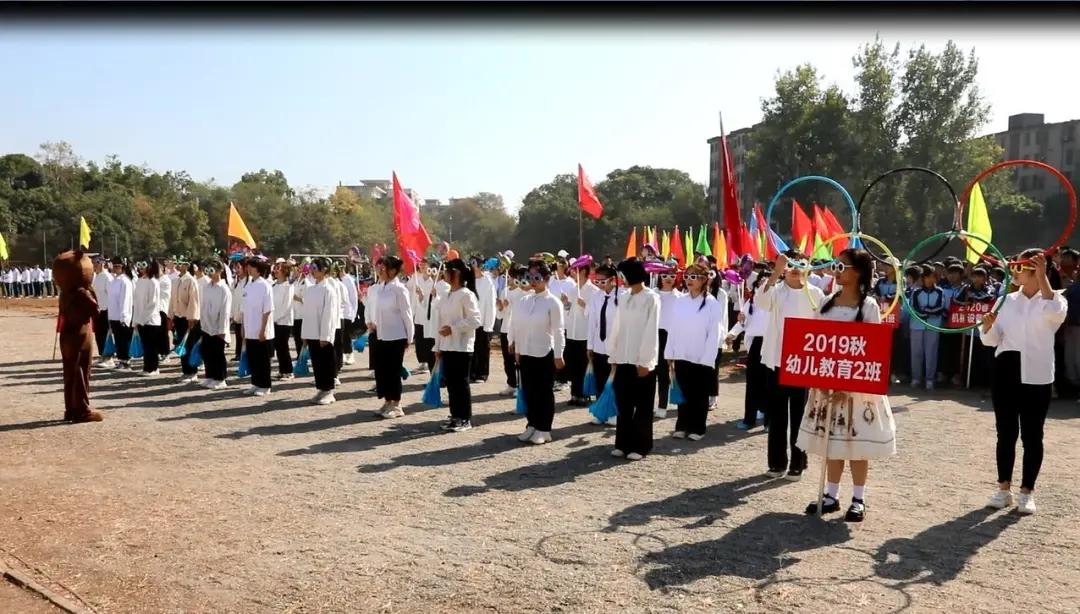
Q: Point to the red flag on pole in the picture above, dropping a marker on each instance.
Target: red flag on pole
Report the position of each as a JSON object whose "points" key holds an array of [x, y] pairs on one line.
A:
{"points": [[802, 230], [729, 238], [586, 195], [750, 244], [834, 228], [678, 252], [732, 216], [412, 237]]}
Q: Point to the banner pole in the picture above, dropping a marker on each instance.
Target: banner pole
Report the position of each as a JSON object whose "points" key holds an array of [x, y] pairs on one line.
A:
{"points": [[824, 459], [971, 354]]}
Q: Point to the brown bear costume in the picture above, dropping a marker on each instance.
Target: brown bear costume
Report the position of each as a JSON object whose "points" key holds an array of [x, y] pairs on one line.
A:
{"points": [[73, 275]]}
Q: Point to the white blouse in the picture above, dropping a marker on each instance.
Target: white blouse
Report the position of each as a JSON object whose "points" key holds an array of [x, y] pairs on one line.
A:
{"points": [[146, 300], [782, 302], [166, 293], [101, 289], [697, 331], [258, 301], [1027, 325], [485, 292], [536, 328], [215, 307], [121, 292], [667, 301], [442, 289], [460, 311], [635, 334], [577, 317], [321, 306], [283, 303], [393, 313]]}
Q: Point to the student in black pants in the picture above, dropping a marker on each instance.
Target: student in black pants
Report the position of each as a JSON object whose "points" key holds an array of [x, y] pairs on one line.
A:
{"points": [[283, 319], [393, 321], [668, 296], [536, 334], [321, 306], [457, 318], [258, 316], [634, 349]]}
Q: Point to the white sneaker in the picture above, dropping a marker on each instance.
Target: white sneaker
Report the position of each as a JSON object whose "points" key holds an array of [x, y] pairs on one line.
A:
{"points": [[337, 381], [260, 392], [527, 435], [678, 435], [539, 437], [634, 456], [509, 392], [1026, 506], [189, 379], [393, 412], [712, 402], [617, 453], [153, 373], [166, 359], [207, 383], [612, 421], [421, 370], [561, 387], [219, 385], [347, 359], [596, 421], [695, 437], [250, 390], [325, 399], [106, 364], [287, 377], [1001, 500], [660, 413]]}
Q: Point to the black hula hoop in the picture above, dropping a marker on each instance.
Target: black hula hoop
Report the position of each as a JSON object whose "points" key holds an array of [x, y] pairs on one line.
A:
{"points": [[918, 169]]}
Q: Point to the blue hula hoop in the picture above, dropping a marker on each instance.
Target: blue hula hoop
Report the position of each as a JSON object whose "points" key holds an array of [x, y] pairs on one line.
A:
{"points": [[843, 192]]}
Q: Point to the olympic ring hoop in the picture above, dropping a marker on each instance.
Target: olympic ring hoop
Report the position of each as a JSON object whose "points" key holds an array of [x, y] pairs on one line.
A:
{"points": [[916, 169], [794, 182], [1036, 164], [890, 259], [962, 234]]}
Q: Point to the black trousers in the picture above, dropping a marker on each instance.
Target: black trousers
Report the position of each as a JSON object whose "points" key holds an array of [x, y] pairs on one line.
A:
{"points": [[576, 356], [634, 396], [151, 342], [537, 384], [282, 333], [481, 357], [757, 384], [181, 326], [258, 353], [339, 350], [1064, 387], [346, 336], [238, 339], [322, 364], [786, 406], [122, 338], [372, 350], [714, 379], [101, 331], [1019, 411], [949, 355], [388, 369], [213, 355], [425, 348], [296, 328], [901, 352], [164, 345], [694, 382], [663, 374], [455, 373], [509, 366], [601, 371]]}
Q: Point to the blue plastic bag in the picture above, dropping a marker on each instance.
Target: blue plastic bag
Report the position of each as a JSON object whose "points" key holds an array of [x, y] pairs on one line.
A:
{"points": [[301, 367], [520, 409], [432, 392], [195, 357], [405, 373], [181, 347], [675, 394], [589, 387], [360, 343], [135, 350], [110, 346], [604, 408], [243, 370]]}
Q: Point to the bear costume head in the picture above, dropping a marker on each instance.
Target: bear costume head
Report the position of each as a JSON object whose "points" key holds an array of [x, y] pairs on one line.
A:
{"points": [[73, 274], [72, 270]]}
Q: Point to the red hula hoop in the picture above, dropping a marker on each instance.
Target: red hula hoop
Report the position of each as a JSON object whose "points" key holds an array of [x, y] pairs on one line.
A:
{"points": [[1034, 163]]}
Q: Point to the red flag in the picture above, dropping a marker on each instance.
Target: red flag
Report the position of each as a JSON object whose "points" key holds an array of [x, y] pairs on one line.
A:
{"points": [[834, 228], [749, 244], [586, 195], [732, 217], [677, 250], [766, 237], [729, 238], [412, 237], [802, 230]]}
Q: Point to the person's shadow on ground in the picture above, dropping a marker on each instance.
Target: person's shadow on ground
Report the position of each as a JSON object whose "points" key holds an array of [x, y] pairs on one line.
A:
{"points": [[941, 550], [705, 505], [755, 550]]}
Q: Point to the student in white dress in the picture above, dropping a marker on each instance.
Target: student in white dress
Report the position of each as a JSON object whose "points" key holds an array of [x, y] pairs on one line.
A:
{"points": [[1023, 333], [457, 319], [861, 426], [536, 334]]}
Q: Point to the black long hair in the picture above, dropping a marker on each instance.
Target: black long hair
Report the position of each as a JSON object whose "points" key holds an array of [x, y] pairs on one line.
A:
{"points": [[465, 273], [864, 264]]}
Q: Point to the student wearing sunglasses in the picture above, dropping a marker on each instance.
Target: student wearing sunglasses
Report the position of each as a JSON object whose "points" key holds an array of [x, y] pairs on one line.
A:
{"points": [[457, 318], [537, 336], [783, 299], [601, 316], [517, 289], [1023, 333], [669, 294]]}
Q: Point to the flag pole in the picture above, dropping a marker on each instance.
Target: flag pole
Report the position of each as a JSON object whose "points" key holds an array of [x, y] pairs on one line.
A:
{"points": [[580, 230], [720, 190]]}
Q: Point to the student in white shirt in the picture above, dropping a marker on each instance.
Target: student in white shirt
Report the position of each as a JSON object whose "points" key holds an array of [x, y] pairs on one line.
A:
{"points": [[578, 294], [785, 299], [562, 287], [394, 326], [300, 284], [349, 310], [634, 348], [185, 311], [282, 292], [601, 315], [485, 293], [752, 323], [240, 281], [698, 323], [215, 310], [146, 314], [434, 290], [1023, 333], [457, 319], [516, 289], [164, 344], [537, 336], [258, 321], [369, 317], [668, 295], [102, 279], [320, 310], [121, 296]]}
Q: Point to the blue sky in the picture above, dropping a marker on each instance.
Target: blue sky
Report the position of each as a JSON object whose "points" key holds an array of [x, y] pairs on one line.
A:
{"points": [[454, 110]]}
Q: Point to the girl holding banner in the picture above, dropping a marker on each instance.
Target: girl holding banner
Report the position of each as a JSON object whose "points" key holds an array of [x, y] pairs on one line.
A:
{"points": [[848, 426]]}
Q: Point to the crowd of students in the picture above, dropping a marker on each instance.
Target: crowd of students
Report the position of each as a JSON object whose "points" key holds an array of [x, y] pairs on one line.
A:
{"points": [[26, 282], [642, 328]]}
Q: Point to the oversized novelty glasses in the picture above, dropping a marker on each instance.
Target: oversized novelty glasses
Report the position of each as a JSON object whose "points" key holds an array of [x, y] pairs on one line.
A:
{"points": [[1016, 269], [603, 281], [668, 276], [533, 278], [695, 277], [797, 264], [838, 267]]}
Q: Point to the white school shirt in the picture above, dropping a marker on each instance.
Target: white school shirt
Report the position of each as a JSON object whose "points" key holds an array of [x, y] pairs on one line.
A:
{"points": [[38, 275], [145, 301], [101, 284], [1027, 325], [166, 294], [283, 303], [393, 313], [237, 290], [371, 301], [320, 312], [47, 274], [753, 324], [577, 317], [300, 287], [485, 296], [419, 286], [352, 297], [203, 281], [258, 301], [342, 297], [782, 301], [121, 296], [442, 289], [635, 333], [697, 331], [536, 328], [215, 308], [595, 306], [667, 302], [461, 312]]}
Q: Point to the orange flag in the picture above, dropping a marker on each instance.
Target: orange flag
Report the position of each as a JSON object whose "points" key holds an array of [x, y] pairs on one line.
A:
{"points": [[238, 229], [631, 245], [719, 248]]}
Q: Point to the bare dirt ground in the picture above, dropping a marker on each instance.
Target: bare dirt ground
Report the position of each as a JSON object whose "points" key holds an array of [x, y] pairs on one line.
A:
{"points": [[186, 500]]}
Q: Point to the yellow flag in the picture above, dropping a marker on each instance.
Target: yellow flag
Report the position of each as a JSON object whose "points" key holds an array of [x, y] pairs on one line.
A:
{"points": [[3, 248], [237, 228], [84, 233], [665, 245], [978, 224]]}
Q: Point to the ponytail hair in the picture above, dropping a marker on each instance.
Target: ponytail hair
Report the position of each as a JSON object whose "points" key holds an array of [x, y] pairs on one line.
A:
{"points": [[465, 273]]}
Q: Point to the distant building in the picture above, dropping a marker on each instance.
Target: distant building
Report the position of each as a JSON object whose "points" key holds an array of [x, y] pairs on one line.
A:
{"points": [[1029, 137], [432, 202], [739, 143], [378, 188]]}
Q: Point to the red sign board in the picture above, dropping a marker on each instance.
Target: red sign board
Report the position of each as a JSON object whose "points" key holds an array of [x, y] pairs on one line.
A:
{"points": [[893, 319], [966, 315], [848, 356]]}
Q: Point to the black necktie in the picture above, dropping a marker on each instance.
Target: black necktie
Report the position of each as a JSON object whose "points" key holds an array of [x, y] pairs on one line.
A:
{"points": [[603, 319]]}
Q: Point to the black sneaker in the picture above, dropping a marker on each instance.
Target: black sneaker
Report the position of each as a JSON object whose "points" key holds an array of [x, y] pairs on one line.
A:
{"points": [[461, 425], [828, 506], [856, 512], [449, 424], [775, 473], [793, 475]]}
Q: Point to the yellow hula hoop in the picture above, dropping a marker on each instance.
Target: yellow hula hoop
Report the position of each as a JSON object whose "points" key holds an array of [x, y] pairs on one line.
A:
{"points": [[889, 257]]}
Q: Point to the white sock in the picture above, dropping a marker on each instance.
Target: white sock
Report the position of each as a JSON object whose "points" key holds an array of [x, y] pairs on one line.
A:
{"points": [[832, 489], [857, 492]]}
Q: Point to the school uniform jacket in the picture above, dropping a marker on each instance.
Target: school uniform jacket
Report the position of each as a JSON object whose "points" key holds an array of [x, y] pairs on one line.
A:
{"points": [[146, 301], [634, 336], [461, 312]]}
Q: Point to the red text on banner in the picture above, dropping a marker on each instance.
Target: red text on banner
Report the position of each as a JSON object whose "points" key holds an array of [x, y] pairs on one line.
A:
{"points": [[848, 356], [966, 315]]}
